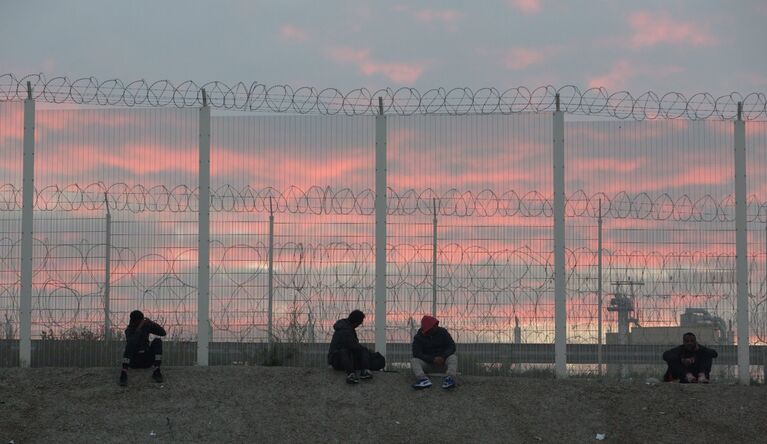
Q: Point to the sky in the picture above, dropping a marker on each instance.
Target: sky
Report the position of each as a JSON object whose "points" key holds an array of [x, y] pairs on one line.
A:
{"points": [[685, 46], [497, 166]]}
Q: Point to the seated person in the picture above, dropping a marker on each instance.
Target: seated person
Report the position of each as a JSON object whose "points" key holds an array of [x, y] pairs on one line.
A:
{"points": [[689, 362], [433, 350], [139, 353], [346, 353]]}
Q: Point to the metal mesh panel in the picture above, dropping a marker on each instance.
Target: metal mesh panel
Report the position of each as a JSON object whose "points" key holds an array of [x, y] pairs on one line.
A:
{"points": [[756, 175], [488, 181], [667, 208], [316, 175], [130, 159], [11, 153]]}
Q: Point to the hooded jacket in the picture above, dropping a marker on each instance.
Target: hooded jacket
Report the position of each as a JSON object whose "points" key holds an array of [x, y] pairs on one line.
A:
{"points": [[137, 336], [437, 342], [344, 338]]}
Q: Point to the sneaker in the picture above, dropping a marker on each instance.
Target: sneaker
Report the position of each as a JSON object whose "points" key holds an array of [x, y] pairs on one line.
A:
{"points": [[422, 383], [157, 375], [123, 379], [702, 379], [352, 378], [366, 374], [448, 382], [690, 378]]}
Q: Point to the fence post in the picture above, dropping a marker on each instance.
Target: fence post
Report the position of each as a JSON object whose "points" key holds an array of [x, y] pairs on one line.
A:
{"points": [[107, 269], [741, 247], [599, 290], [27, 222], [434, 261], [380, 231], [270, 278], [560, 299], [203, 252]]}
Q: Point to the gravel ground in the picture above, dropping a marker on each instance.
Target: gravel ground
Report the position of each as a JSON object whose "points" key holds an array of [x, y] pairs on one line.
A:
{"points": [[281, 404]]}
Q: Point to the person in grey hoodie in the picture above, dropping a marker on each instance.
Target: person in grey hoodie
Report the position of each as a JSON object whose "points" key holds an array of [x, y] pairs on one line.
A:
{"points": [[433, 349], [346, 353]]}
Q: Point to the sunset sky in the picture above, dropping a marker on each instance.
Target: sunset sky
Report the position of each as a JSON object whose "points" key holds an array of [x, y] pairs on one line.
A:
{"points": [[688, 46], [666, 186]]}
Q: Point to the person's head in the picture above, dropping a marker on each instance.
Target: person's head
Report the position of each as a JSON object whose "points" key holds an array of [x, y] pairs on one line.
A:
{"points": [[356, 317], [428, 323], [689, 341], [136, 317]]}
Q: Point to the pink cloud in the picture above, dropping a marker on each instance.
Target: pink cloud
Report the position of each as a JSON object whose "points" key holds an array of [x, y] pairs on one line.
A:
{"points": [[616, 78], [398, 72], [598, 165], [526, 6], [653, 29], [429, 15], [521, 58], [292, 33]]}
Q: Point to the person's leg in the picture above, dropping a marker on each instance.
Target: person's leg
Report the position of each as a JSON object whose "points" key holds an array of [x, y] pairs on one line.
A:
{"points": [[124, 368], [676, 370], [155, 353], [701, 368], [362, 363], [452, 365], [343, 360], [361, 359], [704, 363], [417, 365]]}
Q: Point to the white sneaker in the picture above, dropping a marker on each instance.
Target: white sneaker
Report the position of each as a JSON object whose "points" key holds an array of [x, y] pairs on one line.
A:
{"points": [[422, 383], [702, 379]]}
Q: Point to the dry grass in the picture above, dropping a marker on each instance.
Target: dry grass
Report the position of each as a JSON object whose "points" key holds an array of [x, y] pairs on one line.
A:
{"points": [[279, 404]]}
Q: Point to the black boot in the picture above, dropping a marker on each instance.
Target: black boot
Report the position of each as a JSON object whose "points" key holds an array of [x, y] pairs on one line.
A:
{"points": [[123, 378], [157, 375]]}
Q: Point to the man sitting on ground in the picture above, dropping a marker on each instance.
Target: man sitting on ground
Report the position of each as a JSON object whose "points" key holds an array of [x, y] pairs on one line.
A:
{"points": [[690, 362], [346, 353], [433, 350], [139, 353]]}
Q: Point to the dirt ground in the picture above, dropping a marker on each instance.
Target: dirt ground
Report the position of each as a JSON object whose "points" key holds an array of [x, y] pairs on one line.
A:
{"points": [[281, 404]]}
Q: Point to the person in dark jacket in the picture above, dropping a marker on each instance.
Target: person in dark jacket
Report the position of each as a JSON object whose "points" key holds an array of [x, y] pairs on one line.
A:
{"points": [[139, 352], [433, 350], [346, 353], [689, 362]]}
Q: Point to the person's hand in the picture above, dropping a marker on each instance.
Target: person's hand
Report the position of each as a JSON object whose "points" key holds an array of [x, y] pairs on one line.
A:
{"points": [[439, 360]]}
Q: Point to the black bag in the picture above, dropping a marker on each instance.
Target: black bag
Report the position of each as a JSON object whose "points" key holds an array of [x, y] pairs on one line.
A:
{"points": [[377, 361]]}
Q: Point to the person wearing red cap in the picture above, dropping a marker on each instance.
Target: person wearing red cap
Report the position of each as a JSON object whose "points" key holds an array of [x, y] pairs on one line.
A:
{"points": [[433, 350]]}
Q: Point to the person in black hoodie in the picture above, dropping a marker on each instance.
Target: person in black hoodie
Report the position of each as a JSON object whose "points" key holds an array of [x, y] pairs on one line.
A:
{"points": [[689, 362], [139, 353], [346, 353], [433, 349]]}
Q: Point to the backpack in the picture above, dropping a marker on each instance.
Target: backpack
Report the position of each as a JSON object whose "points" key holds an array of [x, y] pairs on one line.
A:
{"points": [[377, 361]]}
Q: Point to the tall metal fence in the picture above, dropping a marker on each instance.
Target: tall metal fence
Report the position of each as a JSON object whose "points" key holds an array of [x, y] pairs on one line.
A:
{"points": [[545, 246]]}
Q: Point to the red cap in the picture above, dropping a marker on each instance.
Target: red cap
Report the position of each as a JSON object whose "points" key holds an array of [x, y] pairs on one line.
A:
{"points": [[427, 322]]}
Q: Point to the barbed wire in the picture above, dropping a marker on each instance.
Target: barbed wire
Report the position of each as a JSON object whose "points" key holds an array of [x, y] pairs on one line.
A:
{"points": [[480, 289], [260, 97], [345, 201]]}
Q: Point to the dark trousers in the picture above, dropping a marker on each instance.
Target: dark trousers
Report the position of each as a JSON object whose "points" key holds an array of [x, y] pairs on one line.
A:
{"points": [[145, 358], [677, 370], [350, 360]]}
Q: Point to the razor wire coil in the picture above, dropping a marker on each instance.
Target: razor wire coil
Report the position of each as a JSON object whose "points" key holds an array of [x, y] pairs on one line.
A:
{"points": [[403, 101]]}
